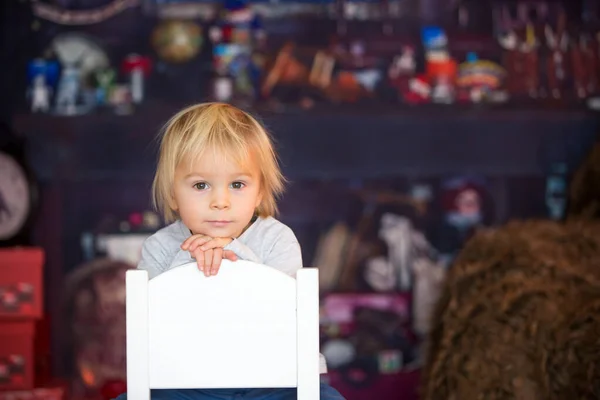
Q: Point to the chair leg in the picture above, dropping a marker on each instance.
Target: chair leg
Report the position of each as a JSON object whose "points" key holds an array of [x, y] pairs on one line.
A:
{"points": [[138, 382], [307, 289]]}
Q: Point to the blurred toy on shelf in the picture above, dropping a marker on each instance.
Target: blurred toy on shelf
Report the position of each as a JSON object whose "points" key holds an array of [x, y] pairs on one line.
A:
{"points": [[429, 276], [545, 54], [305, 53], [404, 244], [137, 67], [443, 82], [105, 82], [238, 40], [41, 76], [120, 99], [79, 79], [68, 93], [419, 90], [585, 51], [238, 23], [290, 77], [49, 68], [590, 54], [40, 93], [466, 208], [80, 56], [177, 41], [402, 70], [520, 58], [480, 81], [558, 43], [339, 73], [356, 74], [440, 67]]}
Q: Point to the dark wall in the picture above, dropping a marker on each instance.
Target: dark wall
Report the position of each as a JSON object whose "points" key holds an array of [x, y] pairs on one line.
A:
{"points": [[91, 166], [16, 40]]}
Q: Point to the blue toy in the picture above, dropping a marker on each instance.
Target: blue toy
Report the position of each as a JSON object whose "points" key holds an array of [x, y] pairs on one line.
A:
{"points": [[48, 68]]}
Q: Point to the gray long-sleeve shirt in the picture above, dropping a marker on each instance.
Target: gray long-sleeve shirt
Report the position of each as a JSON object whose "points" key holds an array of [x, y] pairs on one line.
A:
{"points": [[267, 241]]}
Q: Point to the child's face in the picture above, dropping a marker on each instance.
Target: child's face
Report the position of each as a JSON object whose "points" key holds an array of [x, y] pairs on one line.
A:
{"points": [[216, 197]]}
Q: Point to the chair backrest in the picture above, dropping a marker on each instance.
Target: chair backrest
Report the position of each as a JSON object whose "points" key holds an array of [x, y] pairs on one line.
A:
{"points": [[249, 326]]}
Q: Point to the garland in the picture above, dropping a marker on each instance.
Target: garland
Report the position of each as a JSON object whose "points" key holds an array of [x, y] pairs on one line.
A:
{"points": [[89, 17]]}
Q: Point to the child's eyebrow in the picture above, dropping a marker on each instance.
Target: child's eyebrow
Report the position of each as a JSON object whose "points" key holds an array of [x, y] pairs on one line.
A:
{"points": [[232, 176], [193, 175], [243, 175]]}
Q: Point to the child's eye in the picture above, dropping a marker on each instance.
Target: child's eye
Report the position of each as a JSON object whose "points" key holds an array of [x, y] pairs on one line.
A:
{"points": [[200, 186], [237, 185]]}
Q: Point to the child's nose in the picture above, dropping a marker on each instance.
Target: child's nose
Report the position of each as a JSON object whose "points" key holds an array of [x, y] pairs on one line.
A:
{"points": [[220, 199]]}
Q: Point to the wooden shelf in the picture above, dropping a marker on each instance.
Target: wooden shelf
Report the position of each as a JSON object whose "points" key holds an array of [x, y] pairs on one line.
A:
{"points": [[363, 141]]}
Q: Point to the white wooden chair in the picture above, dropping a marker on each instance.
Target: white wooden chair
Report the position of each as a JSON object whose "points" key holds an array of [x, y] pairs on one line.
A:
{"points": [[250, 326]]}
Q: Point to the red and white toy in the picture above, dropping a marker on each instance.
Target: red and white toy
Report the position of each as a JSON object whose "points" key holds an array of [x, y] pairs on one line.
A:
{"points": [[419, 90]]}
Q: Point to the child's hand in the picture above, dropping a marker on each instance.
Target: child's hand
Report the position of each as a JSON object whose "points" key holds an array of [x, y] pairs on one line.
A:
{"points": [[208, 252], [209, 261], [194, 241]]}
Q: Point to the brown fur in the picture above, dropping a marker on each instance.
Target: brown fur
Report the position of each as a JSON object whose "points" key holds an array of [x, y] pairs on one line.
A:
{"points": [[504, 327]]}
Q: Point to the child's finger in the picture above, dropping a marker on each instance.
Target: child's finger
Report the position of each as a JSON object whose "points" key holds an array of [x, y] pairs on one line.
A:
{"points": [[215, 242], [229, 255], [193, 245], [208, 257], [199, 256], [187, 242], [216, 261]]}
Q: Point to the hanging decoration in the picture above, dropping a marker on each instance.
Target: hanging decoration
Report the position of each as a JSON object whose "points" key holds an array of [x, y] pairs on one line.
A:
{"points": [[81, 17]]}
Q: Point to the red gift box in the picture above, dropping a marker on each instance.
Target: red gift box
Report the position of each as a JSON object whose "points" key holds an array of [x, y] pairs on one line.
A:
{"points": [[21, 288], [57, 393], [21, 303], [16, 354]]}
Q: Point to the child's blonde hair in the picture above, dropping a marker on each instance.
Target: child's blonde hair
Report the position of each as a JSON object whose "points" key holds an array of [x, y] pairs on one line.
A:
{"points": [[223, 129]]}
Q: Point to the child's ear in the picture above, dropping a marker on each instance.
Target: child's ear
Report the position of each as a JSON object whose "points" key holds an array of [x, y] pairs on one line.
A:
{"points": [[172, 203], [259, 198]]}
